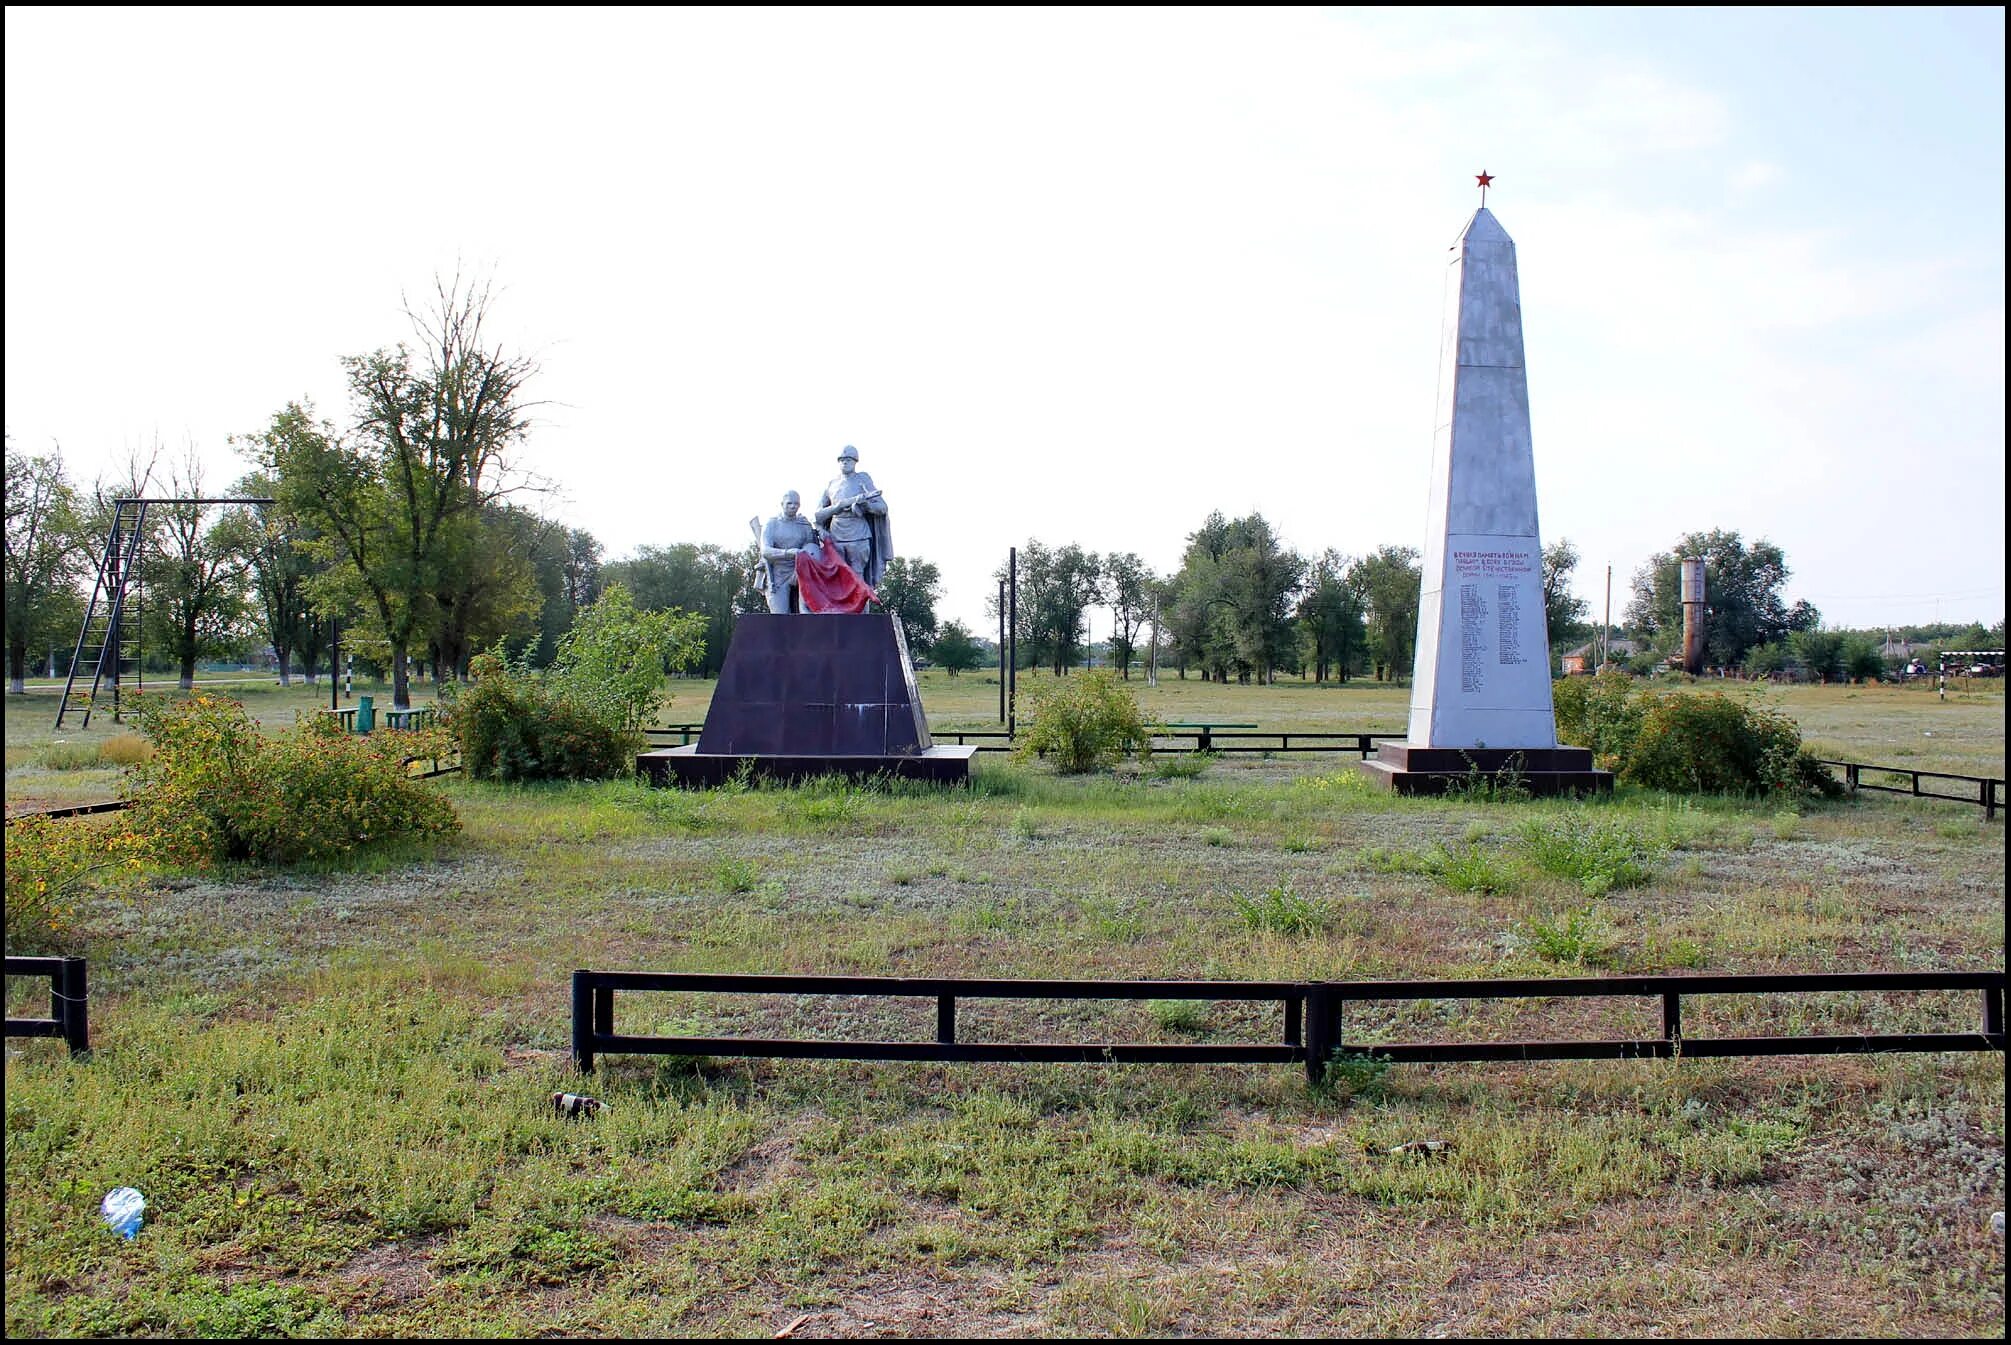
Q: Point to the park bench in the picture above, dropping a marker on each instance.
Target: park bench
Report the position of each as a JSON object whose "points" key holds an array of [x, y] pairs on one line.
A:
{"points": [[418, 717]]}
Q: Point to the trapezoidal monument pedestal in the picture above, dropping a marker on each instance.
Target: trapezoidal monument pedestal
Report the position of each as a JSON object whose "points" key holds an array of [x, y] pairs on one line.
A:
{"points": [[808, 695]]}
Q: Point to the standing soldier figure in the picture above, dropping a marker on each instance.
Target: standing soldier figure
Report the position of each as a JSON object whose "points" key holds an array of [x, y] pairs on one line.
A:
{"points": [[785, 534], [855, 516]]}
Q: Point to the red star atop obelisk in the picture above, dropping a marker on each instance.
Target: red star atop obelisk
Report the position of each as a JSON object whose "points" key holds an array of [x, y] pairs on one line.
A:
{"points": [[1485, 181]]}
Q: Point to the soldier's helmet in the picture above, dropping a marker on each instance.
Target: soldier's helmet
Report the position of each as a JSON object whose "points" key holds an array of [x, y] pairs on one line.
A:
{"points": [[848, 452]]}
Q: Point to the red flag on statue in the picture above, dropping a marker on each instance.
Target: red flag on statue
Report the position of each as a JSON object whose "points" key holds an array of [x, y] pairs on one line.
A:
{"points": [[827, 583]]}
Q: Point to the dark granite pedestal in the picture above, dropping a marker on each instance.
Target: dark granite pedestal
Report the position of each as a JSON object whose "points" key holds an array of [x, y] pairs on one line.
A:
{"points": [[1433, 770], [812, 695]]}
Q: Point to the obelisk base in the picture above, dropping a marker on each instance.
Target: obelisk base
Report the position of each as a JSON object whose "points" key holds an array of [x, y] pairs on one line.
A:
{"points": [[693, 769], [1434, 770], [808, 695]]}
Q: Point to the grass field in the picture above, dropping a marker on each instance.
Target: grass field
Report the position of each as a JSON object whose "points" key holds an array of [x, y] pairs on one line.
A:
{"points": [[331, 1084]]}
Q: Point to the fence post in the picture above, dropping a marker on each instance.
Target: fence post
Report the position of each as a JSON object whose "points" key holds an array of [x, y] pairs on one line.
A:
{"points": [[1320, 1015], [1989, 800], [583, 1028], [1850, 776], [73, 1006], [1993, 1011], [946, 1020], [1672, 1022]]}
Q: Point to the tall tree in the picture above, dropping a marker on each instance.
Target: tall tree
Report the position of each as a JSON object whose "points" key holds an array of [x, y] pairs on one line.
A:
{"points": [[399, 507], [196, 579], [1564, 612], [1391, 581], [1742, 594], [1330, 618], [491, 594], [1260, 577], [1233, 603], [1057, 587], [567, 562], [47, 552], [955, 649], [280, 571], [909, 589], [1128, 587]]}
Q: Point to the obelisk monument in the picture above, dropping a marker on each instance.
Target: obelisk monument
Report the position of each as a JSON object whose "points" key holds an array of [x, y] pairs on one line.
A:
{"points": [[1480, 694]]}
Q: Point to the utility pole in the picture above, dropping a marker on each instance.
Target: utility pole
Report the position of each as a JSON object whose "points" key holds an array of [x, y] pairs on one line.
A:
{"points": [[1606, 626]]}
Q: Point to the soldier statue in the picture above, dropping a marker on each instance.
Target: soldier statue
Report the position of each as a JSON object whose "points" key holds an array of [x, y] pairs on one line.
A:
{"points": [[781, 538], [855, 516]]}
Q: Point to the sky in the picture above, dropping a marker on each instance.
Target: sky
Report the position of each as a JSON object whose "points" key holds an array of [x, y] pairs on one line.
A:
{"points": [[1080, 276]]}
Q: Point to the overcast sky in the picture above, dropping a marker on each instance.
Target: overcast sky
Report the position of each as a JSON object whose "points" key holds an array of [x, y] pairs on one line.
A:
{"points": [[1079, 276]]}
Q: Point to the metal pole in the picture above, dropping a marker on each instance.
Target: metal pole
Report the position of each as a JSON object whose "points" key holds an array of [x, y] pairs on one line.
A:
{"points": [[76, 1007], [1002, 646], [583, 1029], [334, 662], [1012, 637], [116, 593], [1606, 626]]}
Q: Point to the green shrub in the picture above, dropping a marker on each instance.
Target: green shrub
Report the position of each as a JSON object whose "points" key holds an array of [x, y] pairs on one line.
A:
{"points": [[1085, 721], [1603, 713], [51, 863], [583, 719], [614, 658], [217, 789], [1709, 743], [513, 725]]}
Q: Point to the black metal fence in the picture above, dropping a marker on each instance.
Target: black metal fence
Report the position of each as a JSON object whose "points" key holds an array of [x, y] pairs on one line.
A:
{"points": [[1984, 791], [1163, 740], [69, 1001], [1312, 1018]]}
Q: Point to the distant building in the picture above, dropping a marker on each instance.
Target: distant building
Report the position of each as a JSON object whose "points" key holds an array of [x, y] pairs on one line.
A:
{"points": [[1579, 660]]}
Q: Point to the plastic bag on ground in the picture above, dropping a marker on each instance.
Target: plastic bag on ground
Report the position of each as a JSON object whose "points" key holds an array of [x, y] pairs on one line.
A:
{"points": [[122, 1210]]}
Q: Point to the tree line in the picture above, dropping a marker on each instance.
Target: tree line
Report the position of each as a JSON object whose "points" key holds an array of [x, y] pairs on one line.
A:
{"points": [[410, 529]]}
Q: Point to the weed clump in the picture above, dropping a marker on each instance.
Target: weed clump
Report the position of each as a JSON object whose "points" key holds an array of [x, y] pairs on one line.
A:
{"points": [[1279, 910], [1179, 1015], [1181, 765], [1579, 937], [1597, 857]]}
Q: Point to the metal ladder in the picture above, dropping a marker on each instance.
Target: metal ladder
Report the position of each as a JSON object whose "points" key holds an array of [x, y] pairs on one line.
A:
{"points": [[103, 638]]}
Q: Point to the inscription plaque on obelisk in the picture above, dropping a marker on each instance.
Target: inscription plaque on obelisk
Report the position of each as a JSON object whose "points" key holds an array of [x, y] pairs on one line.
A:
{"points": [[1480, 696]]}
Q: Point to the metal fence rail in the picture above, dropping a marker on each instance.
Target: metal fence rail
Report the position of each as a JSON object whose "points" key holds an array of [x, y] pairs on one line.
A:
{"points": [[1196, 740], [69, 1001], [1311, 1031], [1986, 792]]}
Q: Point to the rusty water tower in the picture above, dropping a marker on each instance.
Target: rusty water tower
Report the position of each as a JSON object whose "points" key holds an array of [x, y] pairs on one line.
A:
{"points": [[1693, 615]]}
